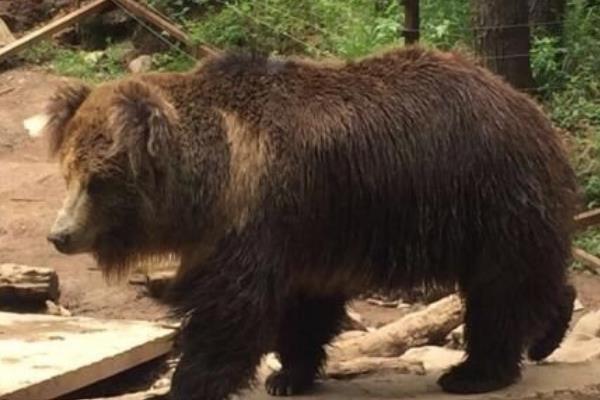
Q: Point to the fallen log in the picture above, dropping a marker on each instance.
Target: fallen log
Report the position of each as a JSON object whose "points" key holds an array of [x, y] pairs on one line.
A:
{"points": [[369, 365], [158, 282], [24, 284], [588, 260], [588, 218], [413, 330]]}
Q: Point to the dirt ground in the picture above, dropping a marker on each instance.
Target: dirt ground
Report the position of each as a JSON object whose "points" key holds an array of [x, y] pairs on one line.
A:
{"points": [[31, 191]]}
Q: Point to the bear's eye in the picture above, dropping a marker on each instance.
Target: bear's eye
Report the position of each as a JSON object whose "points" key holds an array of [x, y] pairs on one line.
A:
{"points": [[96, 185]]}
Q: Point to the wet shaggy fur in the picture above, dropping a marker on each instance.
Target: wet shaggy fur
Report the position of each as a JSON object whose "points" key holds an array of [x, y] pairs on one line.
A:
{"points": [[289, 186]]}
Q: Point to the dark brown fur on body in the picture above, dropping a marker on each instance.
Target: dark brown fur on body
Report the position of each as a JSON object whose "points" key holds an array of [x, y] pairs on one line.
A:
{"points": [[290, 186]]}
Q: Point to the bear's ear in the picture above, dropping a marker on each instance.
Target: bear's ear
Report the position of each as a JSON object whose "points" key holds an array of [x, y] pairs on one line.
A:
{"points": [[61, 107], [141, 120]]}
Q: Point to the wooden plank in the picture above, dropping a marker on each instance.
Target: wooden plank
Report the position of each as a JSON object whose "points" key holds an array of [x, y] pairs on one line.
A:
{"points": [[164, 24], [6, 35], [587, 219], [53, 27], [587, 259], [147, 395], [43, 357]]}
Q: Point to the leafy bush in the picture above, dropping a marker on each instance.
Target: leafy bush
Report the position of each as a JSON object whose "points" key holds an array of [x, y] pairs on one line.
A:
{"points": [[94, 66], [324, 27], [568, 71], [174, 60]]}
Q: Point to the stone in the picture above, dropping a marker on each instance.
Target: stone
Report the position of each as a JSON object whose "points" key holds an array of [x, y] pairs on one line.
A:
{"points": [[433, 358], [141, 64], [456, 338], [582, 344], [56, 309]]}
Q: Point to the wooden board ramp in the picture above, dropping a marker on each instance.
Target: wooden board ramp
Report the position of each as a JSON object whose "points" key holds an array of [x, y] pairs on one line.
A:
{"points": [[43, 357]]}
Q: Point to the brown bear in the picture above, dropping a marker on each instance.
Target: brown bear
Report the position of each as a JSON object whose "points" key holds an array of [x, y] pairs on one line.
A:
{"points": [[288, 186]]}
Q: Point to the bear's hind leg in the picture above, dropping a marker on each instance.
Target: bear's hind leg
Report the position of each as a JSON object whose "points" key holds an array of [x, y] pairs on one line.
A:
{"points": [[495, 340], [306, 326]]}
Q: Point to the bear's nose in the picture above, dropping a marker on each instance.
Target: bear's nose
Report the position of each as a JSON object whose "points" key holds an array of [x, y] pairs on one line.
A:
{"points": [[59, 240]]}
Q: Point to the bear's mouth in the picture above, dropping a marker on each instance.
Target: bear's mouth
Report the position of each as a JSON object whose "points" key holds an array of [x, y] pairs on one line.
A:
{"points": [[71, 243]]}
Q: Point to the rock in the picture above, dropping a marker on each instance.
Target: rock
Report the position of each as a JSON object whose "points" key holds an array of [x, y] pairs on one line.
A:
{"points": [[433, 358], [577, 305], [35, 125], [56, 309], [141, 64], [456, 338], [21, 284], [93, 57], [582, 343]]}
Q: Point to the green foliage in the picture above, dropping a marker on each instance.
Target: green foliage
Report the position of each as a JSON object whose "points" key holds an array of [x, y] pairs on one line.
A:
{"points": [[174, 60], [179, 9], [349, 28], [94, 66], [319, 28], [40, 53], [568, 71], [589, 240], [446, 24]]}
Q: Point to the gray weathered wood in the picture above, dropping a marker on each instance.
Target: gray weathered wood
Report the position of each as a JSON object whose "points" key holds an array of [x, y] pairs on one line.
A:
{"points": [[6, 35], [26, 284], [44, 357]]}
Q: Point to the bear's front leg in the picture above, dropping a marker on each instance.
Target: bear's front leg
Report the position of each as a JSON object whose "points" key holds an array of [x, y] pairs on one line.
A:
{"points": [[225, 333], [213, 372]]}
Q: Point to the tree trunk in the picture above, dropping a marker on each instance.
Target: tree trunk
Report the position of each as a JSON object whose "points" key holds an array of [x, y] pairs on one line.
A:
{"points": [[501, 30], [547, 16]]}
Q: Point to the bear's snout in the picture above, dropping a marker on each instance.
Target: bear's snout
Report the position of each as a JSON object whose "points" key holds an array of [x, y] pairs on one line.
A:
{"points": [[60, 240]]}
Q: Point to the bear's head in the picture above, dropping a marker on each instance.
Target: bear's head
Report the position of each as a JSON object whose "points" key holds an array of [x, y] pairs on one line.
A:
{"points": [[112, 142]]}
